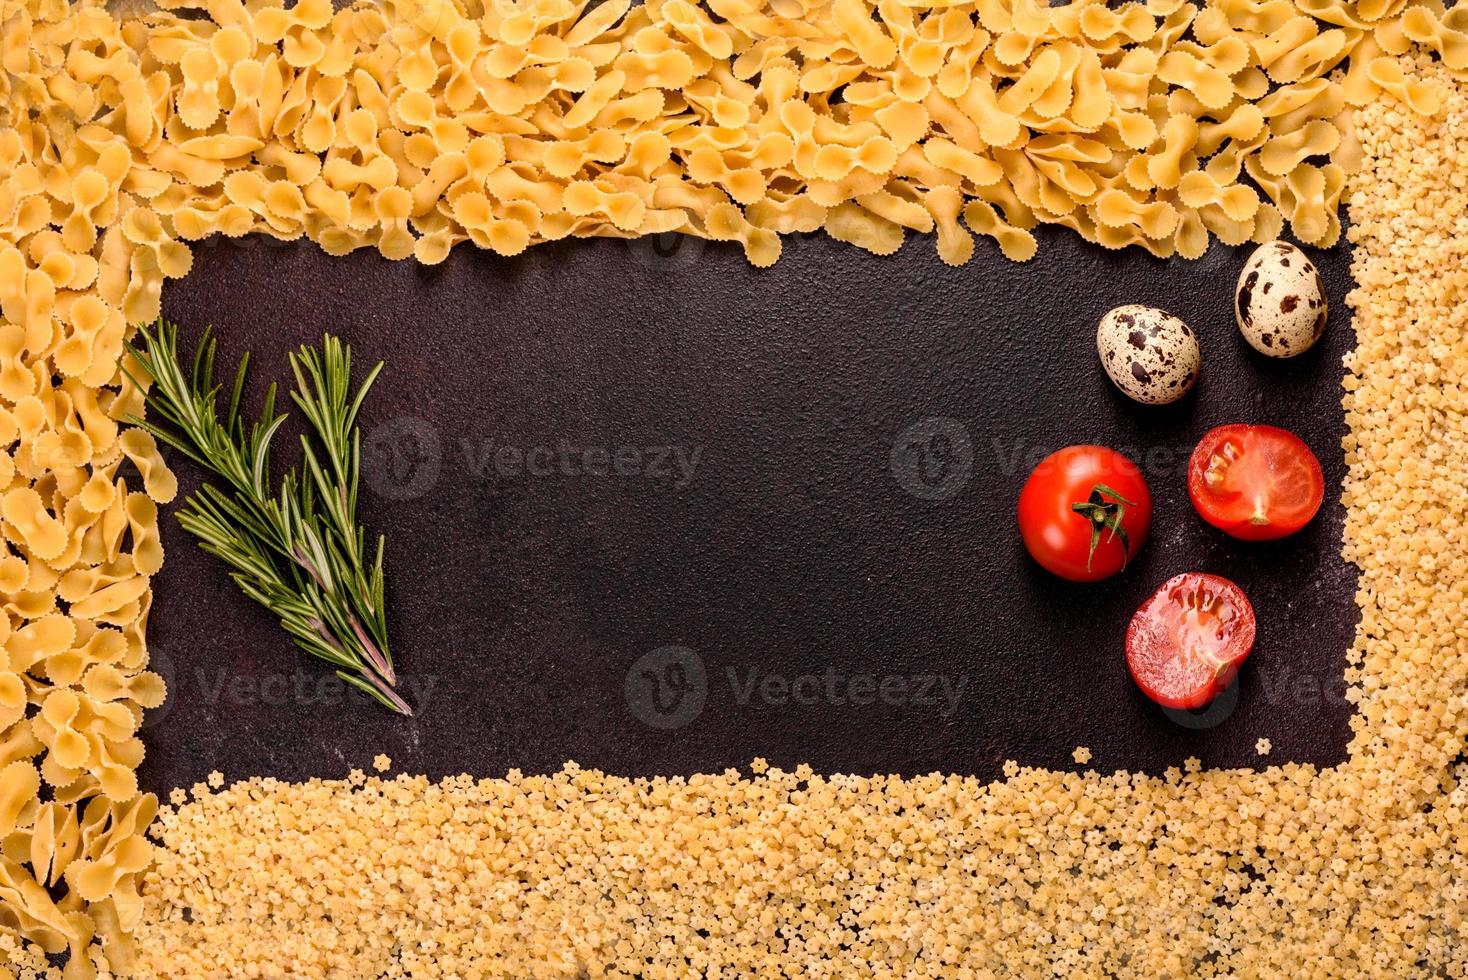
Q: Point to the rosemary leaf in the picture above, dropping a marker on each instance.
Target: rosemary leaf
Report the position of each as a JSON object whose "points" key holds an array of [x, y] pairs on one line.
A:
{"points": [[297, 550]]}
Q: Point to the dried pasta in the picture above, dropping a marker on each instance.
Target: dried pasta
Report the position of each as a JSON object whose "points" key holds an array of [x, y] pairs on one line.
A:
{"points": [[412, 126]]}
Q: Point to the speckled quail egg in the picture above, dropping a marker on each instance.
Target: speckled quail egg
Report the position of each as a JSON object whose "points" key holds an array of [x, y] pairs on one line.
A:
{"points": [[1149, 354], [1280, 301]]}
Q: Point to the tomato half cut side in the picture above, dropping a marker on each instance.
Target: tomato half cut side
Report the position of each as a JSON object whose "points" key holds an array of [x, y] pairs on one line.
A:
{"points": [[1255, 482], [1186, 643]]}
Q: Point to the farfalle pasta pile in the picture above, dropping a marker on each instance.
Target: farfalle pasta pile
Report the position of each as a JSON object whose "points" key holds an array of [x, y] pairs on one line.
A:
{"points": [[416, 125], [412, 126]]}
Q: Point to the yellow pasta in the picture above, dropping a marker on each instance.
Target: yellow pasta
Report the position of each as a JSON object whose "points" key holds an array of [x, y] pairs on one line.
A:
{"points": [[1423, 97], [413, 127]]}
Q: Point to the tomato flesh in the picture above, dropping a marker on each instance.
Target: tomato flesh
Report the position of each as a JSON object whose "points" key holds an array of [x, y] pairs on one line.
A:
{"points": [[1080, 545], [1185, 644], [1255, 482]]}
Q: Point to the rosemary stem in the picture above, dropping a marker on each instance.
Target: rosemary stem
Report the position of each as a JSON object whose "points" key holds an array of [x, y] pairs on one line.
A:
{"points": [[375, 655], [394, 699], [296, 551]]}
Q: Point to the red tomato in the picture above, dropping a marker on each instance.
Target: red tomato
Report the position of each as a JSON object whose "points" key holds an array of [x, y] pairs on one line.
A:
{"points": [[1084, 512], [1185, 645], [1256, 482]]}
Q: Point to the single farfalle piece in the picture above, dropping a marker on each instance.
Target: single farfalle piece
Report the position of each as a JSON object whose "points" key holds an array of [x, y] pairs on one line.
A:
{"points": [[112, 844], [58, 728], [475, 212], [19, 785], [13, 698], [55, 840], [1165, 168], [1283, 153], [143, 296], [1423, 97], [1211, 85], [872, 43], [197, 101], [1017, 244], [567, 158], [43, 638], [689, 21], [602, 197], [955, 244], [1199, 189], [1444, 32], [1154, 219], [42, 533], [141, 449], [851, 223], [106, 683], [116, 604], [725, 222]]}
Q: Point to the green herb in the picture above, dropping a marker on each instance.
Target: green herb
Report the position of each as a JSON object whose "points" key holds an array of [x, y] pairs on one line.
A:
{"points": [[298, 550], [1105, 515]]}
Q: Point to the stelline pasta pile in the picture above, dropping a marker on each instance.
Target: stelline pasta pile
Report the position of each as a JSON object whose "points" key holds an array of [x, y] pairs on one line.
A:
{"points": [[410, 127]]}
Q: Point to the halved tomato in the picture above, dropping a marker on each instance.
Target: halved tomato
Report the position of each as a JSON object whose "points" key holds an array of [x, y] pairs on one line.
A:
{"points": [[1186, 643], [1255, 482]]}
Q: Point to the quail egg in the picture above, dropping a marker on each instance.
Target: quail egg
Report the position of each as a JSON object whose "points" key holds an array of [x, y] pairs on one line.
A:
{"points": [[1151, 355], [1280, 301]]}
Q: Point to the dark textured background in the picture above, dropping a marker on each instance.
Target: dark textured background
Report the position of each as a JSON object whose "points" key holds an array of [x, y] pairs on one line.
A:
{"points": [[522, 602]]}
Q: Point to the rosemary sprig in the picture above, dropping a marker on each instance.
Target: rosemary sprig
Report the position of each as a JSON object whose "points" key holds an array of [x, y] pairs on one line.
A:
{"points": [[298, 551]]}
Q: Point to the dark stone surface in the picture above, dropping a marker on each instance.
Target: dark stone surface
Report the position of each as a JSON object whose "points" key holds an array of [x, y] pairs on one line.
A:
{"points": [[524, 591]]}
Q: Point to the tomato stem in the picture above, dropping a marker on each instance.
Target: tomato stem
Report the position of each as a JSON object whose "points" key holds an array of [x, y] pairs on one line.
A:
{"points": [[1105, 515]]}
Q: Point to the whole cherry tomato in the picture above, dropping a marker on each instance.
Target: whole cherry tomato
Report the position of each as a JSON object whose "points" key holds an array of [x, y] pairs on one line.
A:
{"points": [[1084, 512]]}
